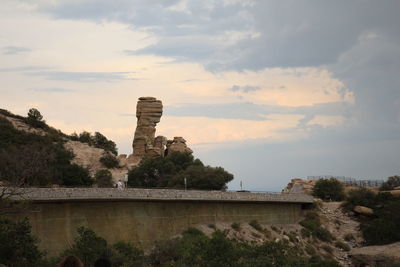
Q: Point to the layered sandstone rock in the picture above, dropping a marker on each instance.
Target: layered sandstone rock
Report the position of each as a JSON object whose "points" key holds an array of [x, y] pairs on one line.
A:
{"points": [[376, 256], [363, 210], [148, 113], [178, 145]]}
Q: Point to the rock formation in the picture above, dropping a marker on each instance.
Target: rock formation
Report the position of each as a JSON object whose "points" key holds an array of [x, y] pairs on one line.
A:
{"points": [[148, 112], [177, 145]]}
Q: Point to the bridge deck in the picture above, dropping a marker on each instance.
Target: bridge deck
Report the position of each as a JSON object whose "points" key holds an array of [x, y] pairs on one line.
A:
{"points": [[136, 194]]}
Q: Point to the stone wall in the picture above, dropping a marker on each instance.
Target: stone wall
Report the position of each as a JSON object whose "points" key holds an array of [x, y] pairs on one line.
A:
{"points": [[143, 216]]}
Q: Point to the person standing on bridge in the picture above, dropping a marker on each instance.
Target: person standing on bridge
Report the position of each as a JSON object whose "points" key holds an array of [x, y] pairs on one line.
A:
{"points": [[120, 185]]}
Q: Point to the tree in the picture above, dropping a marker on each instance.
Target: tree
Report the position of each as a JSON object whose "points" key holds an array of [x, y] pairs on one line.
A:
{"points": [[88, 246], [171, 171], [35, 119], [103, 178], [109, 161], [329, 189], [18, 247], [391, 183], [202, 177], [34, 114]]}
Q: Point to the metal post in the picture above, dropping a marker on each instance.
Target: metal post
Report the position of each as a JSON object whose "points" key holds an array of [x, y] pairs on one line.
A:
{"points": [[185, 183]]}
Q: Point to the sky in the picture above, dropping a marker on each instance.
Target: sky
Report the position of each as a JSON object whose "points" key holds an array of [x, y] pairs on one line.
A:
{"points": [[270, 90]]}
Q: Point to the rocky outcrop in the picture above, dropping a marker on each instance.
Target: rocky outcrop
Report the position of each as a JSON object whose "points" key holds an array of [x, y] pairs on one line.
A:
{"points": [[363, 210], [148, 112], [377, 256], [178, 145], [298, 185]]}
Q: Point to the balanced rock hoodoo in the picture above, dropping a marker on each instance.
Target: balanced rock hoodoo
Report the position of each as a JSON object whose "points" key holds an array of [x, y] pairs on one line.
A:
{"points": [[148, 112]]}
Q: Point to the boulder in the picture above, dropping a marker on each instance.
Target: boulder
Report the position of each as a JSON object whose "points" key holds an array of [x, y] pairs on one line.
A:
{"points": [[178, 145], [363, 210], [375, 256]]}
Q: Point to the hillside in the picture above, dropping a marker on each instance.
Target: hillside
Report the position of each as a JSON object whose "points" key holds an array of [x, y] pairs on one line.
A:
{"points": [[33, 153]]}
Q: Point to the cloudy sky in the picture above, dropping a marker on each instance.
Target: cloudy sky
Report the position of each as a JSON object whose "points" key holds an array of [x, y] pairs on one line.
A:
{"points": [[270, 90]]}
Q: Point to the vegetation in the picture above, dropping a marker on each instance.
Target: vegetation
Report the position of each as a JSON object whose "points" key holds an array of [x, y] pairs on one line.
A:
{"points": [[256, 225], [35, 119], [391, 183], [97, 140], [109, 161], [329, 190], [196, 249], [313, 227], [89, 247], [172, 170], [342, 245], [236, 226], [384, 226], [103, 178], [18, 247], [28, 159]]}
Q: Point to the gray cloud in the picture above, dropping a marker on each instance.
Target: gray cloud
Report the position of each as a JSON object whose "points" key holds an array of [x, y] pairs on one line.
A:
{"points": [[82, 76], [251, 111], [51, 90], [358, 41], [244, 89], [15, 50], [24, 69]]}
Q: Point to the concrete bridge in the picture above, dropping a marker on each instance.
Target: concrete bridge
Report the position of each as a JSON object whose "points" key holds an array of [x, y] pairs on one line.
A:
{"points": [[143, 216]]}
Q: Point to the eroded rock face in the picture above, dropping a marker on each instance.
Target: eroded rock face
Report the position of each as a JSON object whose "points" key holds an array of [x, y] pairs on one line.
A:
{"points": [[148, 113], [178, 145]]}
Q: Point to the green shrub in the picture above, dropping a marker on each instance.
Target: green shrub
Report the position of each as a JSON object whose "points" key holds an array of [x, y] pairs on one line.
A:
{"points": [[342, 245], [329, 189], [327, 248], [212, 226], [103, 178], [310, 250], [312, 223], [35, 119], [236, 226], [88, 246], [125, 254], [360, 197], [391, 183], [349, 237], [97, 140], [18, 247], [256, 225], [109, 161], [172, 170]]}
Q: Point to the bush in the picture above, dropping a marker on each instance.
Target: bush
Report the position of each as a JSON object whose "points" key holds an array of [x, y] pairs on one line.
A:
{"points": [[109, 161], [75, 175], [391, 183], [312, 223], [342, 245], [171, 171], [236, 226], [103, 178], [256, 225], [360, 197], [349, 237], [329, 189], [97, 140], [88, 246], [35, 119], [18, 247]]}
